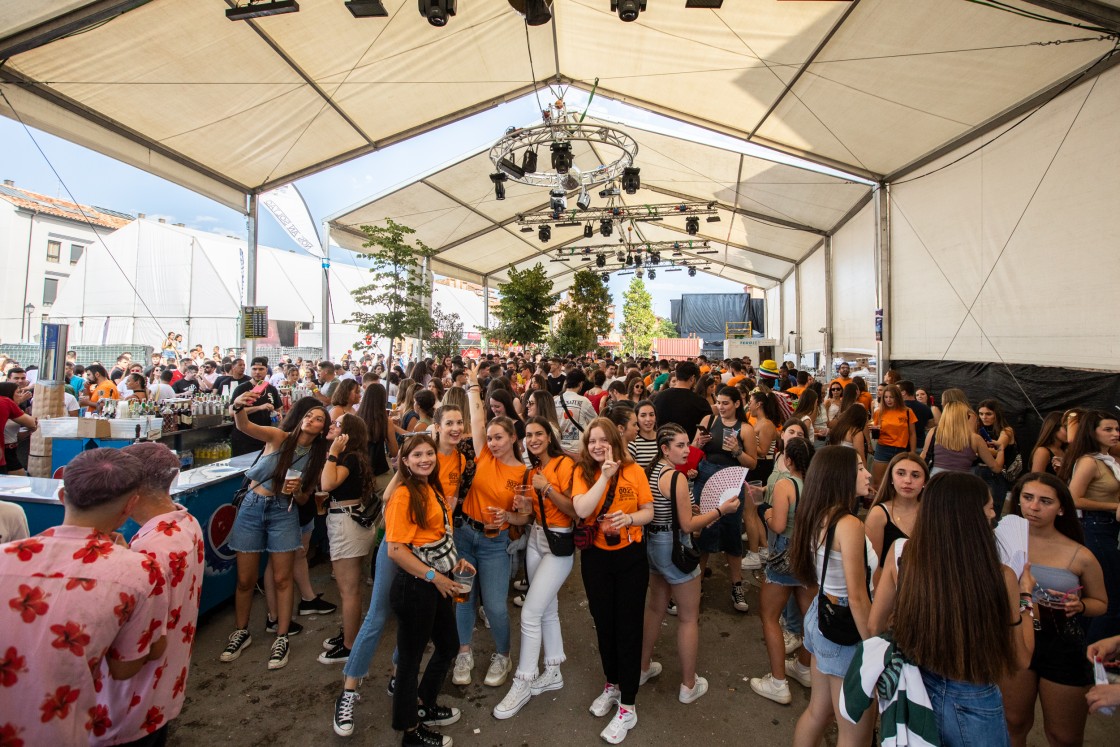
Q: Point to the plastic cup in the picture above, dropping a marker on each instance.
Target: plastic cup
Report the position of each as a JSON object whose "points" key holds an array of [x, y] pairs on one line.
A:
{"points": [[757, 489], [291, 474], [492, 512], [522, 503], [464, 582], [606, 525]]}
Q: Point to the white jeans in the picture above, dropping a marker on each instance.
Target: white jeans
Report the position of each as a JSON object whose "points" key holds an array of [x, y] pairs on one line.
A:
{"points": [[540, 617]]}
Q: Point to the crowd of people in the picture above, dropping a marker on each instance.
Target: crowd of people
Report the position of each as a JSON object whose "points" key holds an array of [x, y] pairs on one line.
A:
{"points": [[910, 553]]}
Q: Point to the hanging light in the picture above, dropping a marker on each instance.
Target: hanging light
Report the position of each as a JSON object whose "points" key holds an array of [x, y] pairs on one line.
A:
{"points": [[692, 225], [639, 273], [366, 8], [588, 231], [606, 226], [621, 257], [529, 162], [536, 12], [544, 233], [499, 179], [631, 182], [628, 10], [600, 260], [561, 157], [437, 11], [652, 273], [606, 278], [692, 272]]}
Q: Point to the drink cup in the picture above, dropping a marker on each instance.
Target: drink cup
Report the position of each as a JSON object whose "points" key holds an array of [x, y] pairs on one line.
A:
{"points": [[321, 497], [492, 513], [464, 582], [757, 489], [522, 503], [606, 525], [292, 474]]}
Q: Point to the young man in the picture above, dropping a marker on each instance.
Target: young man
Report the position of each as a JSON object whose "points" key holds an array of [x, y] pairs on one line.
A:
{"points": [[328, 380], [235, 378], [162, 390], [189, 384], [922, 412], [556, 378], [102, 388], [845, 376], [79, 606], [574, 411], [679, 404], [173, 538], [259, 413]]}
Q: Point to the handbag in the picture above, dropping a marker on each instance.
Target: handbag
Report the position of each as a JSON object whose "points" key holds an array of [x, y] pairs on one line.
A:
{"points": [[835, 621], [932, 448], [584, 534], [1012, 471], [779, 562], [684, 557], [560, 544], [442, 555], [241, 492]]}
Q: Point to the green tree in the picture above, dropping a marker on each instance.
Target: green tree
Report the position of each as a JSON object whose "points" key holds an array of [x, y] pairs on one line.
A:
{"points": [[584, 315], [399, 285], [639, 324], [447, 333], [666, 328], [524, 303]]}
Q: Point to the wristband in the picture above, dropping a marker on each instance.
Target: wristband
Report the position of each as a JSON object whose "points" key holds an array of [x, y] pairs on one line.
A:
{"points": [[238, 408], [332, 458]]}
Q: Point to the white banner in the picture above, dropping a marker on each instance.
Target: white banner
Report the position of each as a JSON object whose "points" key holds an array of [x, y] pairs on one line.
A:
{"points": [[289, 209]]}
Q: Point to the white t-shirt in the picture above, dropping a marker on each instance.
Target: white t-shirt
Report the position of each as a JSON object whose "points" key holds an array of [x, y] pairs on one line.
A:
{"points": [[580, 410], [70, 402], [159, 392], [13, 522]]}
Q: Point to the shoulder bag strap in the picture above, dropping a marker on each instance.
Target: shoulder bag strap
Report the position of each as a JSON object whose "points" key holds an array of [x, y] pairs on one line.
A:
{"points": [[673, 495], [573, 421], [610, 497], [544, 518], [827, 550]]}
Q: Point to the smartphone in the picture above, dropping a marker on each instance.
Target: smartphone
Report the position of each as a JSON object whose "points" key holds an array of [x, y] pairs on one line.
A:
{"points": [[258, 390], [702, 429]]}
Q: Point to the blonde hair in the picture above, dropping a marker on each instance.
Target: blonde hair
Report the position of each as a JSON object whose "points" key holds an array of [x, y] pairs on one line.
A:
{"points": [[954, 431]]}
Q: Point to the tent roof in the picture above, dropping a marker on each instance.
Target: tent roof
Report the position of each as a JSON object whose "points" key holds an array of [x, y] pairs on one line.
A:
{"points": [[871, 86]]}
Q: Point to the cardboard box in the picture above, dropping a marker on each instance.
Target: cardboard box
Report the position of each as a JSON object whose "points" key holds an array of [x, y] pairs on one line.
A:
{"points": [[94, 428]]}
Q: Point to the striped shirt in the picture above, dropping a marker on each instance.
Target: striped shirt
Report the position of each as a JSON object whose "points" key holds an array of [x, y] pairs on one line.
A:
{"points": [[644, 450], [662, 506]]}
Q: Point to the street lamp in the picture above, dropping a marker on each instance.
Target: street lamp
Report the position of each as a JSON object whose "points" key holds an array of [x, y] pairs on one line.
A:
{"points": [[29, 309]]}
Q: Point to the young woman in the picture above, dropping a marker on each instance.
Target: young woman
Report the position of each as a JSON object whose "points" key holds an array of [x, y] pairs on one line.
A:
{"points": [[1046, 456], [778, 587], [706, 387], [347, 393], [897, 432], [406, 391], [540, 404], [435, 386], [956, 612], [829, 550], [850, 429], [422, 413], [923, 396], [998, 435], [596, 393], [501, 406], [1093, 476], [670, 492], [482, 535], [808, 408], [611, 493], [1069, 585], [765, 416], [137, 388], [894, 512], [551, 477], [832, 402], [955, 445], [623, 416], [421, 596], [636, 391], [348, 478], [729, 441], [266, 520], [643, 447], [381, 433]]}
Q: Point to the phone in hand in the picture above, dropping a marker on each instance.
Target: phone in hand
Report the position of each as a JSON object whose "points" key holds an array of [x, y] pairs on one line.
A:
{"points": [[259, 389]]}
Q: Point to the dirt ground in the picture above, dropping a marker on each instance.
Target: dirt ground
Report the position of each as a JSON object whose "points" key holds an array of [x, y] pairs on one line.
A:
{"points": [[244, 703]]}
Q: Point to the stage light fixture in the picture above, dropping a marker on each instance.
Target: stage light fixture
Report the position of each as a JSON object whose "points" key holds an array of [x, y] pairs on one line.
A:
{"points": [[639, 273], [628, 10], [526, 229], [600, 260], [692, 225], [621, 257], [652, 273], [536, 12], [606, 227], [631, 182], [437, 11], [544, 233], [584, 200], [499, 179], [561, 157], [712, 219], [510, 167], [529, 162], [588, 231], [366, 8], [692, 272], [606, 278], [557, 202], [610, 191], [655, 257], [713, 4], [260, 10]]}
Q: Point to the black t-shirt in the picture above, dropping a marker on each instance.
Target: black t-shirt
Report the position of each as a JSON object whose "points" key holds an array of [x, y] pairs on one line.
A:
{"points": [[182, 386], [556, 384], [221, 382], [924, 415], [351, 487], [241, 443], [683, 407]]}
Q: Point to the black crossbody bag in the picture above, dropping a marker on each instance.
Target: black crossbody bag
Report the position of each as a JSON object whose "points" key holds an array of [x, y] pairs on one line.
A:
{"points": [[560, 544], [685, 557], [835, 621]]}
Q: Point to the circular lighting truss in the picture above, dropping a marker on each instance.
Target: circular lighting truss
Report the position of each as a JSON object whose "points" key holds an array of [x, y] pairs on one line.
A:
{"points": [[522, 150]]}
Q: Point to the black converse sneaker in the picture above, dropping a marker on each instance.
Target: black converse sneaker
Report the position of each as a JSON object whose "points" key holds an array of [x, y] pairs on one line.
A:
{"points": [[239, 640], [273, 626], [337, 655], [344, 712], [316, 606], [425, 737], [438, 715], [278, 659]]}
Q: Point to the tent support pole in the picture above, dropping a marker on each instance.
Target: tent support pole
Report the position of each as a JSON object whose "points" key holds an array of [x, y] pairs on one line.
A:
{"points": [[252, 223], [486, 313], [326, 312], [797, 326], [828, 338], [883, 266]]}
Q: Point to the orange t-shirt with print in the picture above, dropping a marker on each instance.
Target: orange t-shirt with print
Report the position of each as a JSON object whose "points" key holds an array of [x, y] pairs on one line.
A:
{"points": [[104, 390], [894, 426], [399, 526], [492, 486], [631, 493], [558, 472], [450, 472]]}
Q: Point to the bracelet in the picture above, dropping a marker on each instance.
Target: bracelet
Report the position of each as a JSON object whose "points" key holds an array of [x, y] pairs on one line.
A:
{"points": [[631, 516], [238, 408], [332, 458]]}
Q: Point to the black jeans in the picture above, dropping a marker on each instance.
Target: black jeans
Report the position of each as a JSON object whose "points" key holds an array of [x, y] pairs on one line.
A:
{"points": [[422, 615], [616, 582]]}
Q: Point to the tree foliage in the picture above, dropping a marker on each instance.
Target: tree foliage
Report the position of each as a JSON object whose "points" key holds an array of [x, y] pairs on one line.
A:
{"points": [[666, 328], [524, 305], [639, 324], [447, 333], [583, 316], [399, 287]]}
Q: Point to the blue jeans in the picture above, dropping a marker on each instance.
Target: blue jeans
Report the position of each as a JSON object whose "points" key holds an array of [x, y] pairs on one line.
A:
{"points": [[489, 557], [265, 523], [967, 714], [1101, 530], [369, 635]]}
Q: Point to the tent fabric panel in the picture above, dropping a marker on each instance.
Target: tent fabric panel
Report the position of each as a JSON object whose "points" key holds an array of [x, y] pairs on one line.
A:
{"points": [[16, 17], [437, 219], [773, 299], [1031, 212], [789, 311], [853, 284], [812, 290]]}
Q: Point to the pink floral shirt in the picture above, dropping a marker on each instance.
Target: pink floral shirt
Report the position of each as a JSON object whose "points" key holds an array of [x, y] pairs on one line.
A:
{"points": [[141, 705], [69, 597]]}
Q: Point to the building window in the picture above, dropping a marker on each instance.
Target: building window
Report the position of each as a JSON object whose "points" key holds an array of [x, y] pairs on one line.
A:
{"points": [[54, 250], [50, 291], [76, 253]]}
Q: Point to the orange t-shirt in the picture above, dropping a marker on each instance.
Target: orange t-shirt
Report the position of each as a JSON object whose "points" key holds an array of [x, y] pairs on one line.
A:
{"points": [[492, 486], [842, 382], [104, 390], [558, 471], [450, 471], [796, 390], [631, 493], [399, 526], [734, 380], [864, 399], [705, 369], [894, 426]]}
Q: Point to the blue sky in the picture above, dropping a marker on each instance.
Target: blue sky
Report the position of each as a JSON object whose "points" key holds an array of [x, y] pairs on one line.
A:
{"points": [[97, 180]]}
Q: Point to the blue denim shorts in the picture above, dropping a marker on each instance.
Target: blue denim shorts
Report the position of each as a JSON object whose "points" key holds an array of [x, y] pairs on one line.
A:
{"points": [[884, 453], [265, 523], [967, 715], [779, 543], [659, 548], [832, 658]]}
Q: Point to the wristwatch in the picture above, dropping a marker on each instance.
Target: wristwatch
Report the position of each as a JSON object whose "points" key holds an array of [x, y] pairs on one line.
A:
{"points": [[332, 458], [430, 576], [238, 408]]}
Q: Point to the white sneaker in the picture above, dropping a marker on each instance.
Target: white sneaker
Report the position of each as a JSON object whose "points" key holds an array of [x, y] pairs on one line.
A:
{"points": [[521, 585], [649, 674], [517, 696], [607, 700], [464, 665], [623, 722], [799, 672], [792, 641], [692, 694], [500, 667], [764, 554], [550, 679], [751, 561], [768, 688]]}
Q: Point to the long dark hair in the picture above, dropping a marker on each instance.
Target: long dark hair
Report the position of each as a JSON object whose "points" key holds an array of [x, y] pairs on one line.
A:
{"points": [[828, 495], [424, 403], [1048, 433], [546, 406], [770, 408], [554, 448], [951, 615], [807, 405], [340, 397], [417, 496], [665, 436], [735, 396], [295, 415], [315, 459], [503, 396], [1085, 442], [357, 447], [1066, 522], [849, 397], [799, 454], [850, 420], [373, 410], [1000, 423]]}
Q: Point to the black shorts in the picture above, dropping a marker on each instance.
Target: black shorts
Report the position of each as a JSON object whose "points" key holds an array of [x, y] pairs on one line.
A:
{"points": [[1060, 656], [11, 461]]}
